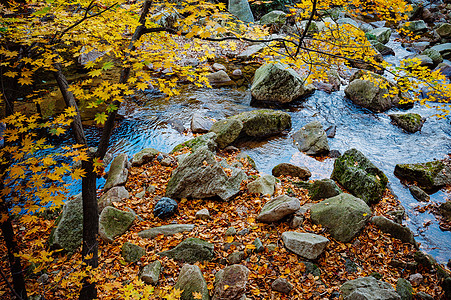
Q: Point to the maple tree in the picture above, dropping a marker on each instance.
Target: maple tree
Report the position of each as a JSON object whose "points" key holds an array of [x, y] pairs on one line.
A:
{"points": [[137, 41]]}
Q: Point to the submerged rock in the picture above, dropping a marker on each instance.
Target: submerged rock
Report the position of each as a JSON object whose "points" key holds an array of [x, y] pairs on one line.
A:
{"points": [[191, 250], [312, 139], [191, 281], [419, 194]]}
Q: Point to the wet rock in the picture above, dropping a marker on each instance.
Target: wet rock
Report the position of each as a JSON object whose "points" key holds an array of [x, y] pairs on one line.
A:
{"points": [[282, 285], [191, 281], [434, 55], [201, 176], [118, 173], [396, 230], [170, 229], [381, 34], [359, 176], [381, 48], [241, 9], [144, 156], [344, 216], [419, 194], [330, 131], [370, 95], [443, 49], [115, 194], [285, 169], [397, 214], [191, 250], [230, 283], [219, 78], [409, 122], [263, 122], [323, 189], [312, 139], [114, 222], [368, 288], [445, 210], [404, 289], [68, 233], [227, 131], [423, 296], [444, 30], [203, 214], [131, 252], [205, 140], [276, 82], [264, 185], [165, 207], [151, 273], [429, 176], [278, 208], [307, 245], [425, 61], [200, 124], [416, 27]]}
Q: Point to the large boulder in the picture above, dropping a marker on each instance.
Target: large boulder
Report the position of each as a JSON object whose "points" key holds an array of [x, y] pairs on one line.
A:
{"points": [[359, 176], [144, 156], [285, 169], [277, 82], [263, 122], [201, 176], [114, 222], [169, 229], [191, 250], [312, 139], [230, 283], [118, 173], [381, 34], [434, 55], [68, 233], [344, 215], [443, 49], [409, 122], [205, 140], [323, 189], [307, 245], [416, 27], [227, 131], [365, 90], [429, 175], [278, 208], [115, 194], [192, 281], [241, 9], [403, 233], [368, 288]]}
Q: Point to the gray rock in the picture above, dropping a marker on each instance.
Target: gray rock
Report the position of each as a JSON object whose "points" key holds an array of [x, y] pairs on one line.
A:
{"points": [[118, 173], [349, 21], [274, 18], [278, 208], [264, 185], [191, 250], [165, 207], [200, 124], [409, 122], [443, 49], [282, 285], [219, 78], [236, 257], [381, 48], [241, 9], [312, 139], [419, 194], [344, 215], [423, 296], [277, 82], [416, 279], [191, 281], [231, 231], [404, 289], [144, 156], [141, 194], [370, 95], [68, 234], [311, 268], [323, 189], [285, 169], [428, 176], [307, 245], [368, 288], [114, 222], [203, 214], [381, 34], [444, 30], [396, 230], [131, 252], [416, 27], [263, 122], [359, 176], [151, 273], [201, 176], [227, 131], [237, 72], [115, 194], [425, 61], [231, 283], [165, 230], [218, 67], [258, 245], [205, 140], [434, 55]]}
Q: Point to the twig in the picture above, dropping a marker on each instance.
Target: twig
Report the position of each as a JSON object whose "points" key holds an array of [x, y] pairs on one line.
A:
{"points": [[10, 286]]}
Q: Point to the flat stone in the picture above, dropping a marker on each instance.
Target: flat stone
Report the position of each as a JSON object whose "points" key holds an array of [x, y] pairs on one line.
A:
{"points": [[286, 169], [165, 230], [278, 208], [191, 250], [307, 245]]}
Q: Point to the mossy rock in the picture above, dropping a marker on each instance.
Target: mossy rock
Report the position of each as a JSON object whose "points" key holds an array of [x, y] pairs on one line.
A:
{"points": [[131, 252], [227, 131], [197, 142], [427, 175], [263, 122], [409, 122], [191, 250]]}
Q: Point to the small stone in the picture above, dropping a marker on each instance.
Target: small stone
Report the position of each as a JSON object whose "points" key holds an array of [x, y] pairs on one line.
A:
{"points": [[244, 231], [258, 245], [416, 279], [218, 67], [131, 252], [151, 189], [231, 231], [278, 208], [141, 194], [237, 72], [286, 169], [419, 194], [165, 207], [282, 285], [271, 247], [203, 214], [151, 273], [43, 278], [236, 257]]}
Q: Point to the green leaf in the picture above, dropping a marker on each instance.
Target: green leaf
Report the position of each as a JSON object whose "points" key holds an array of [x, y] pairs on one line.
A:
{"points": [[100, 118], [108, 65], [42, 12]]}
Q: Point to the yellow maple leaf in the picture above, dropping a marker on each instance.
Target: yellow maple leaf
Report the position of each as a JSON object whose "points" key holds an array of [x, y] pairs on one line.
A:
{"points": [[77, 174], [197, 295]]}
